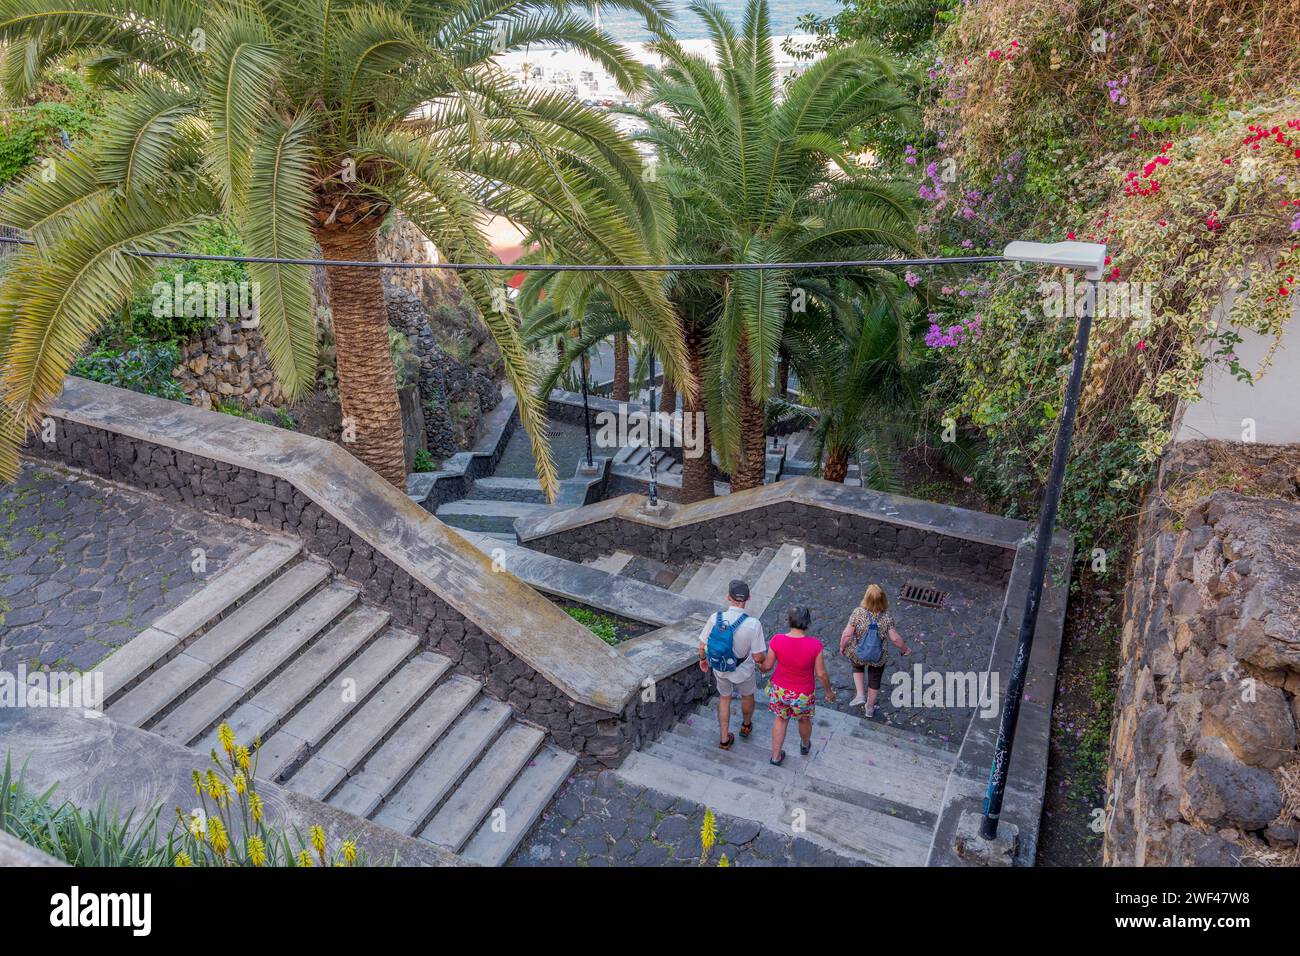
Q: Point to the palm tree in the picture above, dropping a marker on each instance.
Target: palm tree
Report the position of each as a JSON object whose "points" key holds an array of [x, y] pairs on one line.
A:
{"points": [[861, 372], [304, 123], [761, 172]]}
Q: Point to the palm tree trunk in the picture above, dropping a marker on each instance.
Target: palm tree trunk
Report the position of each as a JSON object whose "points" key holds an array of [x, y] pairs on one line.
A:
{"points": [[752, 466], [697, 470], [622, 378], [668, 396], [372, 414], [837, 464], [782, 375]]}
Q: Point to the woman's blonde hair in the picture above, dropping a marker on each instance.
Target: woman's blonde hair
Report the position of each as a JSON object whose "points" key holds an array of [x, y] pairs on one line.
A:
{"points": [[875, 600]]}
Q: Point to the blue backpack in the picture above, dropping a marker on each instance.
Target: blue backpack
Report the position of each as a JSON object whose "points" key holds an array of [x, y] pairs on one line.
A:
{"points": [[721, 648], [870, 648]]}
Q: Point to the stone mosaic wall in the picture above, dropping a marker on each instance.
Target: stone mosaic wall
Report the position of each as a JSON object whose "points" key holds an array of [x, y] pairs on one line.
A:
{"points": [[780, 523], [227, 364], [1204, 767], [600, 737]]}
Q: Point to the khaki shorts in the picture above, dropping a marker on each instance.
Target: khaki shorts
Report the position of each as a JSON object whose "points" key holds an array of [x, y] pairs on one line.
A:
{"points": [[726, 685]]}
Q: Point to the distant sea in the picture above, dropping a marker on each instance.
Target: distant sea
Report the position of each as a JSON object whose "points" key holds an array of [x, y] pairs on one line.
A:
{"points": [[785, 15]]}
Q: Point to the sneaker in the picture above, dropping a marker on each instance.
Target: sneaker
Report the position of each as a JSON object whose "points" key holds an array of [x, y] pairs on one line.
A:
{"points": [[858, 701]]}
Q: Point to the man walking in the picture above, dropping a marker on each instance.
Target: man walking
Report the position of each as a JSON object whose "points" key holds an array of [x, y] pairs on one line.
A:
{"points": [[730, 644]]}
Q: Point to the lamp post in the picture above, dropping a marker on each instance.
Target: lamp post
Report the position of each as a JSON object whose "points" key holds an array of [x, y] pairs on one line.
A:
{"points": [[586, 411], [654, 451], [1090, 257]]}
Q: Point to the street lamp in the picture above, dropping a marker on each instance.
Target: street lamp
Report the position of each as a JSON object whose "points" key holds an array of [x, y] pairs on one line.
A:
{"points": [[1091, 258], [654, 451]]}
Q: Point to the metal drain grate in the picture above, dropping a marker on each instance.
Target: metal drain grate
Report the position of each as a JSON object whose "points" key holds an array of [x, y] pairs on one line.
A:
{"points": [[927, 597]]}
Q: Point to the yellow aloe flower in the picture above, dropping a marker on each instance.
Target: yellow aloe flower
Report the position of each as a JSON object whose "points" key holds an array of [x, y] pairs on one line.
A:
{"points": [[220, 839], [709, 830], [257, 851], [183, 859], [197, 829], [350, 851], [198, 782], [255, 806], [226, 737], [240, 783], [724, 861], [304, 858], [242, 758], [318, 838]]}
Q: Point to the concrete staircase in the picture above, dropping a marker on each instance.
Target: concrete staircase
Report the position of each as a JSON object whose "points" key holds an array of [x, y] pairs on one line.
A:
{"points": [[764, 570], [347, 707], [866, 791], [638, 457]]}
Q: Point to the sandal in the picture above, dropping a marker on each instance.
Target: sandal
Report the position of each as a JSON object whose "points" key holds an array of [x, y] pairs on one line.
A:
{"points": [[731, 739], [804, 748], [777, 762], [746, 729]]}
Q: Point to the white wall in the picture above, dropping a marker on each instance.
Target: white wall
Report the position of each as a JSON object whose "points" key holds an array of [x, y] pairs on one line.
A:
{"points": [[1273, 401]]}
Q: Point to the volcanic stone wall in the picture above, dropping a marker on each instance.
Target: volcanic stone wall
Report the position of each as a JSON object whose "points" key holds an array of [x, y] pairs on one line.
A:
{"points": [[1204, 768], [788, 521]]}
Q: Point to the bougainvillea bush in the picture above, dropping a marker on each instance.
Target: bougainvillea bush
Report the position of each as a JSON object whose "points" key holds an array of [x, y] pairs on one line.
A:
{"points": [[1167, 130]]}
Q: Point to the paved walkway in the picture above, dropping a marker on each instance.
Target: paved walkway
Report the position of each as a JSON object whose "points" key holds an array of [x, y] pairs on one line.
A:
{"points": [[86, 565], [956, 637], [568, 445]]}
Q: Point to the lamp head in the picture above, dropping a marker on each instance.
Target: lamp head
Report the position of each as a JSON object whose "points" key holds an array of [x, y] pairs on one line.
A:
{"points": [[1089, 256]]}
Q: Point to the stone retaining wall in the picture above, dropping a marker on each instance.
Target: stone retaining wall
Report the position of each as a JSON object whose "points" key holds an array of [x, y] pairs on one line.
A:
{"points": [[1204, 766], [788, 521], [227, 364]]}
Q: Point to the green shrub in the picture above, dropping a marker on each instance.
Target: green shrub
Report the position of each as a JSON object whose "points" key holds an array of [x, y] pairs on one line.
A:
{"points": [[29, 132], [139, 365], [99, 837], [424, 462], [216, 239], [603, 626]]}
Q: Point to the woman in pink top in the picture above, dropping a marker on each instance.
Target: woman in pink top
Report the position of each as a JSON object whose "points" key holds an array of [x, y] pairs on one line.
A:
{"points": [[792, 693]]}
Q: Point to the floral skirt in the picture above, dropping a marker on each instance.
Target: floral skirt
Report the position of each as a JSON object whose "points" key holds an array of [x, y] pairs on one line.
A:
{"points": [[788, 704]]}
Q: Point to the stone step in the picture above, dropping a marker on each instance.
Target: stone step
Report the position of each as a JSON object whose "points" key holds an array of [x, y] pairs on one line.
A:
{"points": [[487, 515], [828, 721], [523, 803], [794, 774], [509, 489], [610, 563], [387, 766], [211, 601], [259, 715], [626, 452], [333, 701], [173, 679], [458, 818], [640, 457], [714, 587], [255, 663], [857, 831], [684, 578], [695, 587], [869, 766], [229, 587], [365, 729], [768, 582], [474, 507], [443, 766]]}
